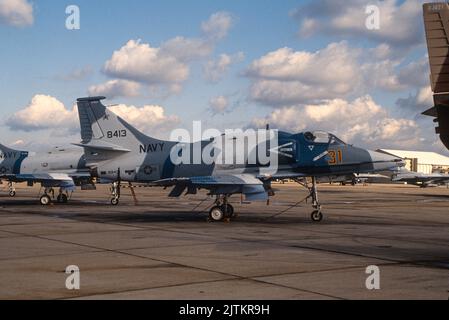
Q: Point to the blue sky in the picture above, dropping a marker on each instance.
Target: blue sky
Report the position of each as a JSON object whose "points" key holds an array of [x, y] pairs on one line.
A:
{"points": [[270, 70]]}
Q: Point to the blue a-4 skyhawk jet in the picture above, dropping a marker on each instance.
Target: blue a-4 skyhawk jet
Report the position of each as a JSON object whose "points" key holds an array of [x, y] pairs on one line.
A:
{"points": [[115, 151]]}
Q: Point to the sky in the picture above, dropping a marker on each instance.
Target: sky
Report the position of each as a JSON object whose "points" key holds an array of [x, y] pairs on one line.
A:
{"points": [[296, 65]]}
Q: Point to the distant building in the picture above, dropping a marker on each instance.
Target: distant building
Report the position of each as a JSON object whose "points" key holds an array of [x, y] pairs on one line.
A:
{"points": [[419, 161]]}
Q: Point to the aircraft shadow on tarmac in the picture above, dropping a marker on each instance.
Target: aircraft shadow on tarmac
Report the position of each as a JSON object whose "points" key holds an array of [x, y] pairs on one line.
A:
{"points": [[439, 196], [356, 245], [122, 214], [182, 213]]}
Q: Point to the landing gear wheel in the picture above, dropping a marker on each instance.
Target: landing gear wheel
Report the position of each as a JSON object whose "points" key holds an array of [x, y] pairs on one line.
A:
{"points": [[216, 214], [316, 216], [115, 201], [228, 210], [45, 200], [62, 198], [12, 194]]}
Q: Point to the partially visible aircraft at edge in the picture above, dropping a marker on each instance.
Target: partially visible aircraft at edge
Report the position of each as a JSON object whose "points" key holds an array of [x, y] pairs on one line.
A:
{"points": [[436, 22], [421, 179], [116, 151], [355, 178], [59, 168]]}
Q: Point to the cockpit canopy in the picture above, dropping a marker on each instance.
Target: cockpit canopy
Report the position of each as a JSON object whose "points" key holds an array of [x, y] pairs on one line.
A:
{"points": [[322, 137]]}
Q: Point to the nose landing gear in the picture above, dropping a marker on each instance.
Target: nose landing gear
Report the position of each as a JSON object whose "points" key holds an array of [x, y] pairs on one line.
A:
{"points": [[115, 193], [317, 214], [12, 189]]}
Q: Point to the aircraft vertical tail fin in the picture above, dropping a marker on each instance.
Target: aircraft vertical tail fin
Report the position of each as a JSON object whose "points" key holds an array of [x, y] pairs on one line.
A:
{"points": [[11, 160], [436, 22], [104, 130], [4, 149]]}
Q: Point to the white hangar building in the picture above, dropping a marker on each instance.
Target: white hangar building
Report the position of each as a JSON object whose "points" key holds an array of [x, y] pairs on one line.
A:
{"points": [[419, 161]]}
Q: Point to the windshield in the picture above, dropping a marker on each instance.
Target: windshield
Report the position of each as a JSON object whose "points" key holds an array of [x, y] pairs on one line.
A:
{"points": [[322, 137]]}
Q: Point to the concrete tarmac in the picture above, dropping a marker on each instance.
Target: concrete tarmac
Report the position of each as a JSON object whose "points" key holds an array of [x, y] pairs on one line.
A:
{"points": [[164, 248]]}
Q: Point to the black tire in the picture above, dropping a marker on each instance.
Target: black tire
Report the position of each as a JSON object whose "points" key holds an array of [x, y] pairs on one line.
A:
{"points": [[115, 201], [12, 194], [316, 216], [228, 210], [45, 200], [62, 198], [216, 214]]}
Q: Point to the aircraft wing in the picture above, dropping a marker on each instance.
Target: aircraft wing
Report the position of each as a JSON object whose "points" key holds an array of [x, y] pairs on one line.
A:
{"points": [[48, 180], [249, 185], [281, 176]]}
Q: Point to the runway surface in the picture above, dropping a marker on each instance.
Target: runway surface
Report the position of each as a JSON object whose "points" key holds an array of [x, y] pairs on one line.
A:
{"points": [[164, 248]]}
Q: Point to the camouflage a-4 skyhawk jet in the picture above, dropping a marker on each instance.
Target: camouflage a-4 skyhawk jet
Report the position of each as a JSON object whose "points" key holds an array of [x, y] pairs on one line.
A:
{"points": [[116, 151]]}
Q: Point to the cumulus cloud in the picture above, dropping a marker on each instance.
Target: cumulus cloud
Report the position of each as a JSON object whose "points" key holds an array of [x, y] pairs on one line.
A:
{"points": [[48, 113], [335, 62], [150, 119], [215, 70], [140, 62], [115, 88], [185, 49], [381, 74], [416, 73], [43, 112], [218, 25], [17, 143], [219, 105], [418, 102], [284, 76], [346, 18], [16, 13], [166, 67], [77, 74], [361, 121]]}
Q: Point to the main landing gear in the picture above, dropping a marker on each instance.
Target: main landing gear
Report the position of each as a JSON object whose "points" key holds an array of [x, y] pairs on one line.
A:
{"points": [[222, 210], [49, 195], [317, 215], [62, 198], [115, 193]]}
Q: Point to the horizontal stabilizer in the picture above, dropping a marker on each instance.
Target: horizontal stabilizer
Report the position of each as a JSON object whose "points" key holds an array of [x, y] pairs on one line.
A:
{"points": [[103, 146], [432, 112], [48, 180]]}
